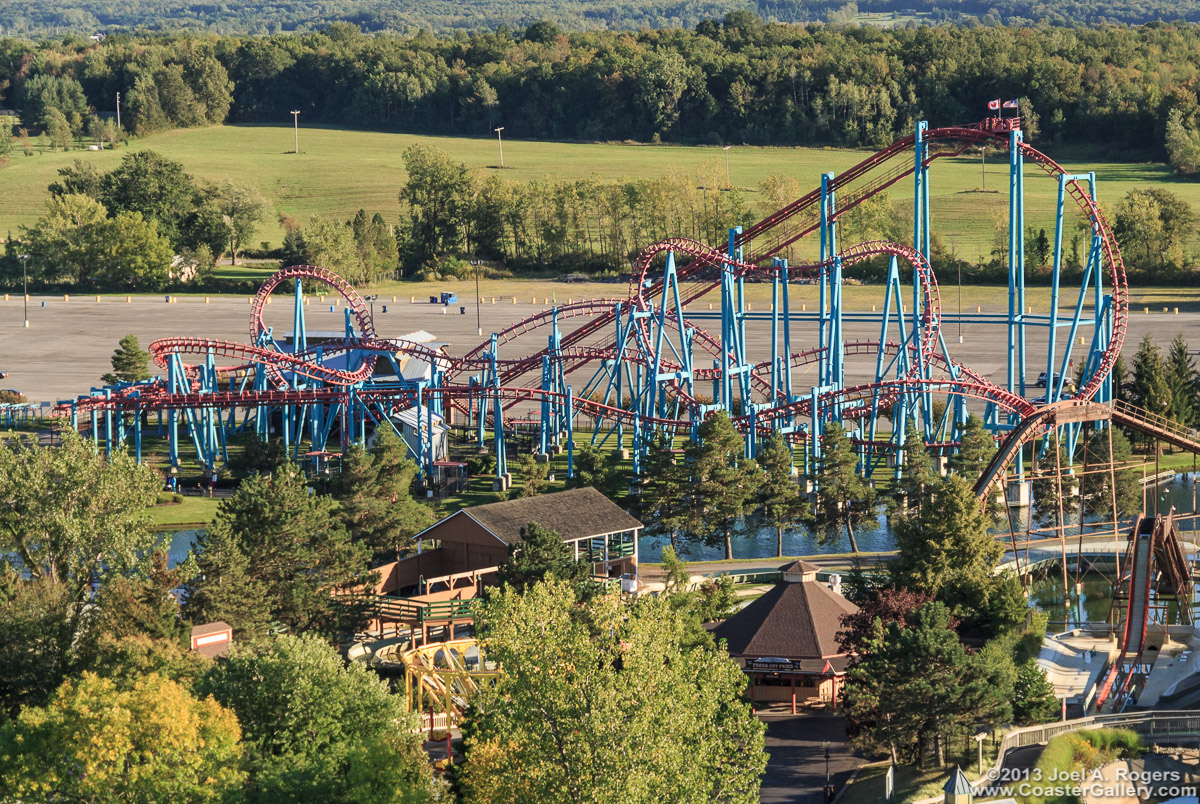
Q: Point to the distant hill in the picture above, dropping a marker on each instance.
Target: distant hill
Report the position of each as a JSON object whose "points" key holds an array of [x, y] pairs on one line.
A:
{"points": [[37, 18]]}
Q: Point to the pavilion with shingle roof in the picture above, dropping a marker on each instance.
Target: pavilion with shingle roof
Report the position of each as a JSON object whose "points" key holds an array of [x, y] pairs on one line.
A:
{"points": [[786, 640]]}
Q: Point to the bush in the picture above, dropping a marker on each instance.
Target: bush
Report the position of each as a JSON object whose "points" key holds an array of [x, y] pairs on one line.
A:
{"points": [[176, 498], [1082, 752]]}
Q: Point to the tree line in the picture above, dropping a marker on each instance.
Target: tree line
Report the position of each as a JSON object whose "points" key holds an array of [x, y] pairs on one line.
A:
{"points": [[738, 79], [26, 18]]}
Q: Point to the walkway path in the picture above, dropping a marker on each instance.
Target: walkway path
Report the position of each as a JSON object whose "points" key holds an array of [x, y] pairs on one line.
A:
{"points": [[796, 769]]}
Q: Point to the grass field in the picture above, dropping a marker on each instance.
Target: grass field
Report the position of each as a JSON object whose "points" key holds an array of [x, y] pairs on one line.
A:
{"points": [[339, 171]]}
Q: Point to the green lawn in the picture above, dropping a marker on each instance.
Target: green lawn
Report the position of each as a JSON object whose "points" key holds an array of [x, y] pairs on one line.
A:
{"points": [[339, 171], [192, 512]]}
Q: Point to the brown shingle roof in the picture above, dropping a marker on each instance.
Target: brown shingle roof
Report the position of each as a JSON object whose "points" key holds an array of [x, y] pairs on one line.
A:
{"points": [[575, 514], [801, 566], [791, 621]]}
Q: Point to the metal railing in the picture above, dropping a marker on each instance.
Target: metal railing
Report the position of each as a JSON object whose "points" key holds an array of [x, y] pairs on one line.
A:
{"points": [[1155, 727]]}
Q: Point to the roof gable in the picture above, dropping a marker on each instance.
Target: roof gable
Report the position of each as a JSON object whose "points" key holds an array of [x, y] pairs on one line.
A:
{"points": [[574, 514], [792, 621]]}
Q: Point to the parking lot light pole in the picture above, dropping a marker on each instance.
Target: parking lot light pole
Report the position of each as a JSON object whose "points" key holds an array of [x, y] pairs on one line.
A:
{"points": [[25, 285]]}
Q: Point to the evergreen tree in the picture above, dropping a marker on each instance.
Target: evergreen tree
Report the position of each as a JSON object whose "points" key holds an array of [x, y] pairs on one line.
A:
{"points": [[1182, 374], [592, 468], [918, 476], [976, 447], [1151, 384], [537, 475], [142, 606], [1052, 487], [297, 551], [130, 362], [723, 482], [946, 551], [374, 494], [542, 554], [844, 499], [916, 684], [663, 501], [1034, 700], [779, 496], [1101, 485], [223, 588]]}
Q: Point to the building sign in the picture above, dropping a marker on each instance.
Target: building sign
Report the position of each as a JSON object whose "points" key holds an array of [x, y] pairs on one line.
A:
{"points": [[773, 665]]}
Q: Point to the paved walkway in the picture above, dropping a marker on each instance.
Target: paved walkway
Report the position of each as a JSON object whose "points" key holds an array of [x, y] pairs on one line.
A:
{"points": [[796, 769]]}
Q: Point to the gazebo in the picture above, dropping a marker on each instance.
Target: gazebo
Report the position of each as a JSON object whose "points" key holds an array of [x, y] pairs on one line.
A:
{"points": [[786, 640]]}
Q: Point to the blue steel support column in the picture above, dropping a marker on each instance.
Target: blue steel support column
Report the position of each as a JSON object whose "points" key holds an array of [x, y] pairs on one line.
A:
{"points": [[299, 335], [828, 249], [173, 415], [570, 433], [921, 242], [1016, 277]]}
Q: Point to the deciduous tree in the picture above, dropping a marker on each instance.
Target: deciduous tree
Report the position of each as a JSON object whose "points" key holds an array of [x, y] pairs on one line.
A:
{"points": [[613, 708], [71, 515], [319, 728], [95, 742]]}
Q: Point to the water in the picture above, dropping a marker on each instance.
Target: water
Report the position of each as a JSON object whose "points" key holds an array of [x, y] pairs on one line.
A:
{"points": [[180, 544], [759, 542]]}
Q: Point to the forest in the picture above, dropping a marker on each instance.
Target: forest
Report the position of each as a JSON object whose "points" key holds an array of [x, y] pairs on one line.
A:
{"points": [[738, 80], [33, 19]]}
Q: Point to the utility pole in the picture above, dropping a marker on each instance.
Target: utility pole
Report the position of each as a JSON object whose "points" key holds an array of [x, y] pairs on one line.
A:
{"points": [[118, 110], [726, 150], [296, 123], [501, 142]]}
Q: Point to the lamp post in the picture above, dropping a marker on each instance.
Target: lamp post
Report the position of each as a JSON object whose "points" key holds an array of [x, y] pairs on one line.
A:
{"points": [[500, 141], [478, 323], [726, 150], [296, 127], [371, 300], [828, 786], [25, 284], [979, 738]]}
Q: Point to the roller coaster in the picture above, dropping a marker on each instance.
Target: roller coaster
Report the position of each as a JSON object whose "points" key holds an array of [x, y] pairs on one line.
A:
{"points": [[640, 365]]}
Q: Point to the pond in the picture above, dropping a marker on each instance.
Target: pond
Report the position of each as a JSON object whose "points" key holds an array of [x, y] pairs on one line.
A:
{"points": [[760, 542]]}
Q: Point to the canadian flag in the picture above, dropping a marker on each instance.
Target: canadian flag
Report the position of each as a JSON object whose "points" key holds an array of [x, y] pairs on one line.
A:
{"points": [[993, 105]]}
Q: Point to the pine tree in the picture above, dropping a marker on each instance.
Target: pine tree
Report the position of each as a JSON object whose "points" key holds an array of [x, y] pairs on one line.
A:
{"points": [[664, 490], [130, 362], [946, 550], [223, 588], [375, 501], [540, 555], [1151, 384], [724, 482], [1182, 373], [297, 551], [844, 499], [975, 448], [918, 478], [1101, 484], [779, 496], [1049, 485]]}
